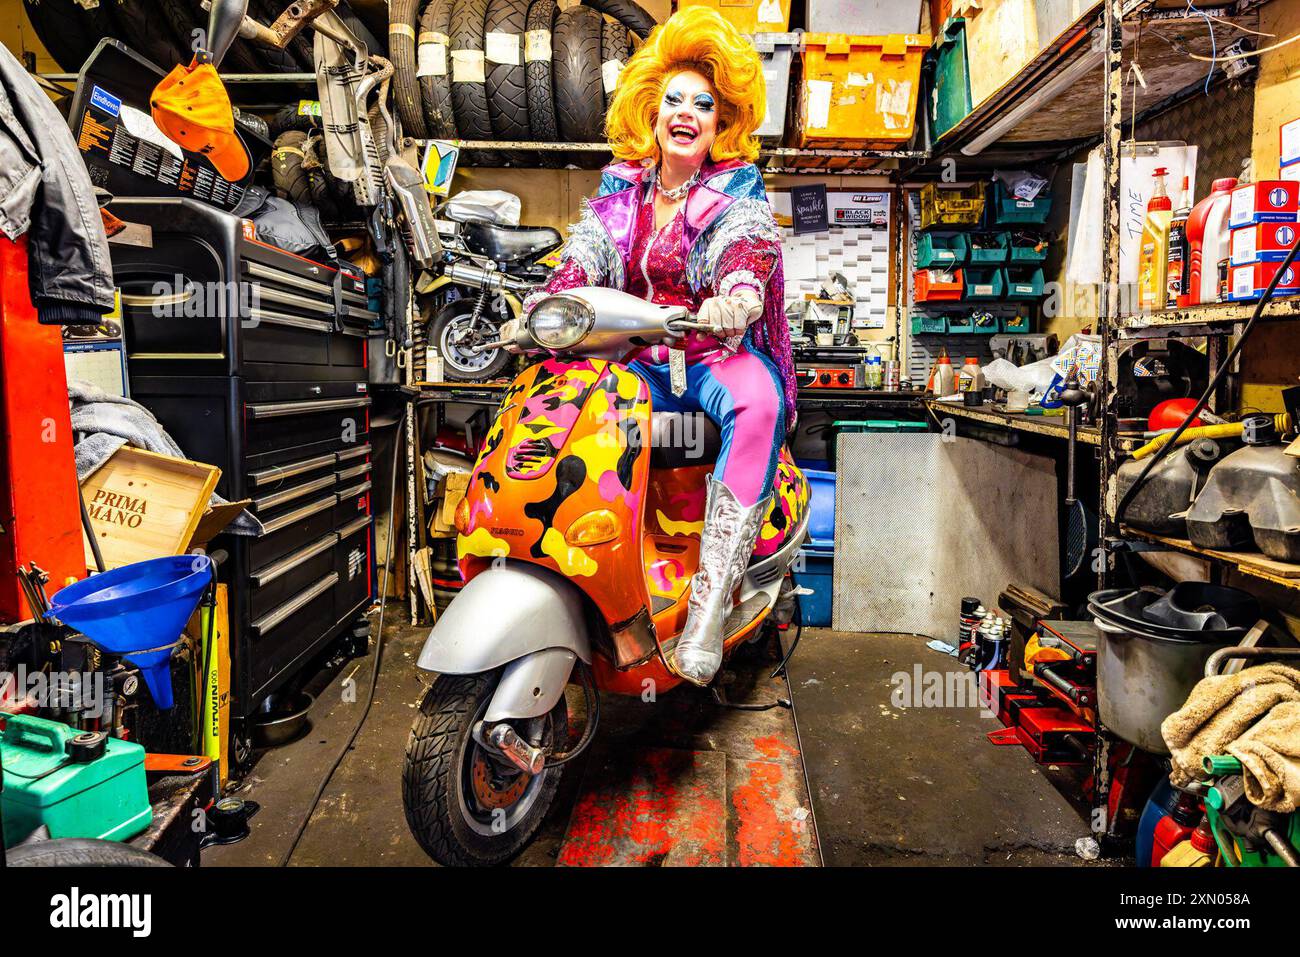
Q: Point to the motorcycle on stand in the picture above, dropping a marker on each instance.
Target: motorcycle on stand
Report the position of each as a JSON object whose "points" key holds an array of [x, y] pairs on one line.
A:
{"points": [[577, 540], [491, 267]]}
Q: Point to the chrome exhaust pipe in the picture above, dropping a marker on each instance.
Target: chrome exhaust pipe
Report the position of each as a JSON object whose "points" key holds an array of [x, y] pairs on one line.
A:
{"points": [[472, 275]]}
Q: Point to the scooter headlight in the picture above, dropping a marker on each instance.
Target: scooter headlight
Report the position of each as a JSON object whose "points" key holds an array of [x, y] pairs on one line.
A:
{"points": [[560, 322]]}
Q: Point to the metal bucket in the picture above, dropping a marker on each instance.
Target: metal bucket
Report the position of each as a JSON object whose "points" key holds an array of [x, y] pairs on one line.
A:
{"points": [[1143, 678]]}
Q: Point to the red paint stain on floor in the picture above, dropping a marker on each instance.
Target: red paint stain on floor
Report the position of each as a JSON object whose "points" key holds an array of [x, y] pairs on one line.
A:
{"points": [[772, 747], [769, 830]]}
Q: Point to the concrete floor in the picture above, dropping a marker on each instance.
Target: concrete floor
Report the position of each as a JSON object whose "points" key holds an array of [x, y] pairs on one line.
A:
{"points": [[684, 781]]}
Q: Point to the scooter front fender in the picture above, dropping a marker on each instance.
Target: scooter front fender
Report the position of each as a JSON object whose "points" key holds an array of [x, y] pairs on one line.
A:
{"points": [[505, 613]]}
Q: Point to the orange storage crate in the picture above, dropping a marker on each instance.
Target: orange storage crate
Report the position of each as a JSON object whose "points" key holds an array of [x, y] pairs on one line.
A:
{"points": [[749, 16], [859, 92], [934, 285]]}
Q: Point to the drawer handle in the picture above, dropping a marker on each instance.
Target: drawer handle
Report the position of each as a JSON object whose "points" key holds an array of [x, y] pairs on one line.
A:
{"points": [[279, 472], [271, 410], [354, 526], [137, 301], [298, 514], [355, 490], [288, 278], [284, 319], [351, 473], [291, 299], [296, 603], [289, 494], [353, 453], [290, 562]]}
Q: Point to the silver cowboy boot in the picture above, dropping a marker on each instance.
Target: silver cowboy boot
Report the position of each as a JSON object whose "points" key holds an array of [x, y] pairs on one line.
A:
{"points": [[730, 531]]}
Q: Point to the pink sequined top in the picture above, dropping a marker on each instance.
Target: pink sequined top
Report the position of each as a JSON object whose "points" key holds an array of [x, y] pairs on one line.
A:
{"points": [[657, 272]]}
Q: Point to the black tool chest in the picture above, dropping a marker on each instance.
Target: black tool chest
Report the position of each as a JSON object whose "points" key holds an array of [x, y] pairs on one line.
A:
{"points": [[264, 377]]}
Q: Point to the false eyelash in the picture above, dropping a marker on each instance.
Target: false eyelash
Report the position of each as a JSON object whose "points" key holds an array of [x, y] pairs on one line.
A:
{"points": [[706, 103]]}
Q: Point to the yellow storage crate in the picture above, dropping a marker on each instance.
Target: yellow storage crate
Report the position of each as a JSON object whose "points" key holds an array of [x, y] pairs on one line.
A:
{"points": [[749, 16], [859, 92], [951, 205]]}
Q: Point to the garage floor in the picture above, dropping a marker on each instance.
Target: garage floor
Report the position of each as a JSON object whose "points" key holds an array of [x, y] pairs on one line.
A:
{"points": [[683, 781]]}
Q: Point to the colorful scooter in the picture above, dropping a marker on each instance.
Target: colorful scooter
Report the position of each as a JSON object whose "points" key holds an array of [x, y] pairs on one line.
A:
{"points": [[578, 537]]}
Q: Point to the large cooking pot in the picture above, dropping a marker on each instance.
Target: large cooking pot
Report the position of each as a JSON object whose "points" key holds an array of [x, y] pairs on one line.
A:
{"points": [[1146, 669]]}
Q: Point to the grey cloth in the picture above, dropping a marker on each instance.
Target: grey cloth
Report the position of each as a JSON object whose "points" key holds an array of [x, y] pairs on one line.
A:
{"points": [[46, 194], [105, 422]]}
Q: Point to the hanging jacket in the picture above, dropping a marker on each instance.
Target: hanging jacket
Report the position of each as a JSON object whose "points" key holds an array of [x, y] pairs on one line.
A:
{"points": [[46, 194]]}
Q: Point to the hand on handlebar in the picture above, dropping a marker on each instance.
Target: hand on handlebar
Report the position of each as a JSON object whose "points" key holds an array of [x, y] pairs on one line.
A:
{"points": [[730, 315], [508, 333]]}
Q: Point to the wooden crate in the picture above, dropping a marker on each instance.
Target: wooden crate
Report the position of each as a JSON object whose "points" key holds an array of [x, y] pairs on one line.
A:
{"points": [[143, 505]]}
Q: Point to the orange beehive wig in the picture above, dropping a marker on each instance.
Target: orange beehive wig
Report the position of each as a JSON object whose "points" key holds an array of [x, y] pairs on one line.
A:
{"points": [[699, 39]]}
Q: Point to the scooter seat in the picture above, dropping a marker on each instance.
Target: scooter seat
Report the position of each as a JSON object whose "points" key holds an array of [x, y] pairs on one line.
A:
{"points": [[508, 244], [680, 439]]}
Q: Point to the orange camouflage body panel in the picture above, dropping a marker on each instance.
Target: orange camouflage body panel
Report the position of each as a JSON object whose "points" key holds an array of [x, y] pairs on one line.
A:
{"points": [[566, 441]]}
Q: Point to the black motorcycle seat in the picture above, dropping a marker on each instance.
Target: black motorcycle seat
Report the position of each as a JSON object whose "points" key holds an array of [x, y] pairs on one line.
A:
{"points": [[679, 439], [509, 244]]}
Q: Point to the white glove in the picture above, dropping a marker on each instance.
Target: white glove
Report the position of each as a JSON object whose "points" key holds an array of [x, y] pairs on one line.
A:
{"points": [[730, 315], [509, 330]]}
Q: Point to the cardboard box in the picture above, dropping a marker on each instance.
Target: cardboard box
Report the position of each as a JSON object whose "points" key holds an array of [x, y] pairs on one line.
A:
{"points": [[1269, 201], [143, 505], [1263, 242], [1246, 283]]}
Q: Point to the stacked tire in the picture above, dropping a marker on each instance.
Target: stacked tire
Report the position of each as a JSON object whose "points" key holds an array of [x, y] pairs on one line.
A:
{"points": [[518, 70]]}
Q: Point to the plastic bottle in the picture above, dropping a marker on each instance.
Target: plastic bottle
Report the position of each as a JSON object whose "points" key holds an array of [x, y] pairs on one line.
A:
{"points": [[1176, 826], [1207, 242], [1176, 268], [945, 380], [1154, 255], [971, 376], [1198, 850]]}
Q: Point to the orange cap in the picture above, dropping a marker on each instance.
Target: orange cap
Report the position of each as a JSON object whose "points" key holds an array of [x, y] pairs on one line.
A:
{"points": [[192, 108]]}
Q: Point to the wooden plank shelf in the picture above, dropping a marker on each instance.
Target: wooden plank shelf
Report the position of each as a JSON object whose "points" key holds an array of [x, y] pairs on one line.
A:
{"points": [[1253, 564]]}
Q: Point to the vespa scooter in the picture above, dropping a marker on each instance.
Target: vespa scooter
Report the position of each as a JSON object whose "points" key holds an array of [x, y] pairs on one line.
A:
{"points": [[578, 538]]}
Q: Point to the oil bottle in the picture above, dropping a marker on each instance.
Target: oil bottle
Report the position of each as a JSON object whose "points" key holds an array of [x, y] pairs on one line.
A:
{"points": [[1177, 260], [1154, 256]]}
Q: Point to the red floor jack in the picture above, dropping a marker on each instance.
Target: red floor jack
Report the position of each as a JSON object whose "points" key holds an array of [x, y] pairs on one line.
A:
{"points": [[40, 520]]}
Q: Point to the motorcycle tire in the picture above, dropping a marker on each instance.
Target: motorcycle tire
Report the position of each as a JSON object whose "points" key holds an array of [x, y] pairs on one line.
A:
{"points": [[296, 179], [440, 794], [358, 26], [539, 88], [469, 92], [403, 16], [297, 54], [579, 97], [615, 47], [445, 323], [435, 88], [68, 31], [80, 852], [627, 12], [148, 34], [288, 118], [507, 83]]}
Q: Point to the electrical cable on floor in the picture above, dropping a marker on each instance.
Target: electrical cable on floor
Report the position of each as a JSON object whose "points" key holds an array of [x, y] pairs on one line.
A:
{"points": [[376, 658], [1210, 388]]}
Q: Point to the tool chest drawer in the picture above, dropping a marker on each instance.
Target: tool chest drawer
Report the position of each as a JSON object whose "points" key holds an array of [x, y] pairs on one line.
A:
{"points": [[281, 636], [277, 582], [294, 527], [280, 419], [353, 560]]}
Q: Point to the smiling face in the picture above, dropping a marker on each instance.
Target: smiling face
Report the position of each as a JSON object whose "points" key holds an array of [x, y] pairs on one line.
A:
{"points": [[688, 119]]}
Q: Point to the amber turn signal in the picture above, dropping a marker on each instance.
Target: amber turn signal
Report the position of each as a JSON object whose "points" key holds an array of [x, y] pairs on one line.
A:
{"points": [[594, 528], [461, 519]]}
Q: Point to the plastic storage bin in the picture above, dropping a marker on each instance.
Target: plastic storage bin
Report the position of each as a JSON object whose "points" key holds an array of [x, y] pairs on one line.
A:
{"points": [[1024, 283], [941, 250], [859, 92], [776, 50], [1017, 324], [984, 284], [749, 16], [985, 323], [815, 571], [989, 249], [961, 324], [933, 285], [951, 205], [1008, 210], [948, 78], [870, 425], [1027, 248], [931, 325], [821, 508], [864, 16]]}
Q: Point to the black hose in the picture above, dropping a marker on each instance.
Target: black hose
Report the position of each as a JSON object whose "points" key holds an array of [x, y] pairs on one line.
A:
{"points": [[1213, 384], [90, 531]]}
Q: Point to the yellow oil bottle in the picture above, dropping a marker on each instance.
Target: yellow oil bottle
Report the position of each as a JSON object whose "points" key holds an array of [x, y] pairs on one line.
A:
{"points": [[1153, 259]]}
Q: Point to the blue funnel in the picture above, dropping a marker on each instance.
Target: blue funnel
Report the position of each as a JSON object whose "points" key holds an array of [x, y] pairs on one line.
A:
{"points": [[138, 611]]}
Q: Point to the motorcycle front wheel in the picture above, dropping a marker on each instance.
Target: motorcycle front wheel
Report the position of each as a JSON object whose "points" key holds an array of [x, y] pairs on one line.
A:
{"points": [[453, 330], [466, 805]]}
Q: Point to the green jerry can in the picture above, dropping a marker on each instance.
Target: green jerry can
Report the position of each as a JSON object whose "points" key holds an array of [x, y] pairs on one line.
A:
{"points": [[78, 784]]}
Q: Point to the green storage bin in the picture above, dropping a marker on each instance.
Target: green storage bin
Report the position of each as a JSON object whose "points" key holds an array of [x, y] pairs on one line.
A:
{"points": [[961, 325], [941, 250], [1023, 283], [46, 782], [989, 249], [928, 325], [869, 425], [1006, 210], [949, 101], [984, 284], [985, 323], [1016, 324], [1027, 248]]}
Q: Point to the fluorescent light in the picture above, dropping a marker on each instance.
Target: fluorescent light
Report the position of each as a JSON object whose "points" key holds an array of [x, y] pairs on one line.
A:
{"points": [[1042, 96]]}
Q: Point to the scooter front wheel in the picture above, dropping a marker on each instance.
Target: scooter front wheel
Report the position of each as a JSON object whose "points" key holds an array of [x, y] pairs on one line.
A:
{"points": [[466, 805]]}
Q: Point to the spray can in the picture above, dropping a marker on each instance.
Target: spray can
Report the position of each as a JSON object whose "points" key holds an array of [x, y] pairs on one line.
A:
{"points": [[968, 621]]}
